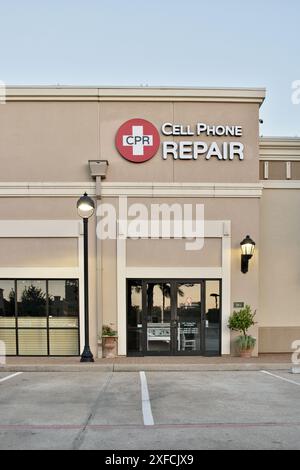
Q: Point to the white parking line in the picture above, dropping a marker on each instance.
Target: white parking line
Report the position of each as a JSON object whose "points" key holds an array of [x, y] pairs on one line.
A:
{"points": [[146, 405], [281, 378], [10, 377]]}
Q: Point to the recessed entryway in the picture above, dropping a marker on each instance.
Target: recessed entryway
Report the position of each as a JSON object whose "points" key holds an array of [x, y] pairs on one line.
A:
{"points": [[173, 317]]}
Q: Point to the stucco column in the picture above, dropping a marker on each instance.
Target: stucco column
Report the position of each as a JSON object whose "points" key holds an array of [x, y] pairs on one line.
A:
{"points": [[98, 169]]}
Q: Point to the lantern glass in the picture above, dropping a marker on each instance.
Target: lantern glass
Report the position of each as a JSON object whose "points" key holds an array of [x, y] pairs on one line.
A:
{"points": [[248, 247], [85, 207]]}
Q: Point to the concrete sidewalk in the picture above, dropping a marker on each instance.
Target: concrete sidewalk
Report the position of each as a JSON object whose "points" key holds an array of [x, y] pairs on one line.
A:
{"points": [[133, 364]]}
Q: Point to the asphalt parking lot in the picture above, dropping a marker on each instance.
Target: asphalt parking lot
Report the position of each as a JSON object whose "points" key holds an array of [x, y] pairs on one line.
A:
{"points": [[155, 410]]}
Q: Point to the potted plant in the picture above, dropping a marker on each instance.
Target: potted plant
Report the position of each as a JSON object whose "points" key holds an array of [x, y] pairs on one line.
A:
{"points": [[241, 321], [109, 341]]}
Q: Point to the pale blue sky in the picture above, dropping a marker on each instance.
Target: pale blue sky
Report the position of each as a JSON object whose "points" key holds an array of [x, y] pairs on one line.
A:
{"points": [[252, 43]]}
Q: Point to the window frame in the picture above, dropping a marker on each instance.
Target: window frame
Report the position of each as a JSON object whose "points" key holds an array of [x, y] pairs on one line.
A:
{"points": [[47, 328]]}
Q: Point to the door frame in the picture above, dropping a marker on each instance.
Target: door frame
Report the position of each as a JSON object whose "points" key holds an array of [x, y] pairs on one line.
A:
{"points": [[220, 229], [173, 350]]}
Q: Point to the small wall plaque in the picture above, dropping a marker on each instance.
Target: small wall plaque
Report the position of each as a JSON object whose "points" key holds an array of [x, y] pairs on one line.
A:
{"points": [[238, 305]]}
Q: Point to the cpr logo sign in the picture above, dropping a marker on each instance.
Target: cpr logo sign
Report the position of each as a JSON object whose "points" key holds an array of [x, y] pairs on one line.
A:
{"points": [[138, 140]]}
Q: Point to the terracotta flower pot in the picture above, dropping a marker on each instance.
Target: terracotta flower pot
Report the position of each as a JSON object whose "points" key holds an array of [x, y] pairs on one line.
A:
{"points": [[246, 353], [109, 346]]}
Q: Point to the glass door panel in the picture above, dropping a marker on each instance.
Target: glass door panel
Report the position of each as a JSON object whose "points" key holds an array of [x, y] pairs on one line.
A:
{"points": [[135, 317], [158, 307], [188, 317], [212, 317]]}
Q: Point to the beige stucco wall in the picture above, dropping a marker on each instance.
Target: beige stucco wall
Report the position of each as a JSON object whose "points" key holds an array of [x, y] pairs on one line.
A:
{"points": [[38, 208], [52, 141], [277, 170], [109, 282], [173, 253], [279, 270], [39, 252], [296, 171], [278, 339], [48, 141]]}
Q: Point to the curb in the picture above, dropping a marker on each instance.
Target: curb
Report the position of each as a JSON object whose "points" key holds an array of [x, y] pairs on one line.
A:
{"points": [[199, 367], [61, 368], [150, 368]]}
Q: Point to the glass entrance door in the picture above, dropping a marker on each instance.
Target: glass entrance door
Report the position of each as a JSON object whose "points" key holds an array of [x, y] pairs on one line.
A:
{"points": [[173, 317], [189, 317], [159, 316]]}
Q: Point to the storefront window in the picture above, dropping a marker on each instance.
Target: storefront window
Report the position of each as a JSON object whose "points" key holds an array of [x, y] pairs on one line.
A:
{"points": [[40, 317], [63, 342], [63, 317], [32, 302], [7, 304], [7, 316], [32, 342], [63, 304]]}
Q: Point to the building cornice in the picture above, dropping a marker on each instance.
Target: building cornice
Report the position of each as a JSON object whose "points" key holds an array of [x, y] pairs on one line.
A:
{"points": [[153, 190], [147, 190], [98, 94], [279, 148], [281, 184]]}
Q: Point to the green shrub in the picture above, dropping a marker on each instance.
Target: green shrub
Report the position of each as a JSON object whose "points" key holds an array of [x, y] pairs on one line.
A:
{"points": [[241, 321]]}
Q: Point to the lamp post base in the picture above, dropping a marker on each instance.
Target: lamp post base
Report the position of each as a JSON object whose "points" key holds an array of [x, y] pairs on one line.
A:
{"points": [[87, 355]]}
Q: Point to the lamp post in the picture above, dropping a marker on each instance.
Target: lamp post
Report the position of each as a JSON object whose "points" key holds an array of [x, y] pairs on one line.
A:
{"points": [[86, 208], [247, 247]]}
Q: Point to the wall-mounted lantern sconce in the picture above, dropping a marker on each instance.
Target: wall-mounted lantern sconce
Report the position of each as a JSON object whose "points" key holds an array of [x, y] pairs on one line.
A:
{"points": [[247, 247]]}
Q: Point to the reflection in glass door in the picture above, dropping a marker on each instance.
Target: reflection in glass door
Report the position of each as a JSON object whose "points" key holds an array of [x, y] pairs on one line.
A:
{"points": [[188, 317], [158, 301], [212, 317], [134, 317]]}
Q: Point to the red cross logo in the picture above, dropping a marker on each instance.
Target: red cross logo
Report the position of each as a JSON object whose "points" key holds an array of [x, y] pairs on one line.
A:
{"points": [[137, 140]]}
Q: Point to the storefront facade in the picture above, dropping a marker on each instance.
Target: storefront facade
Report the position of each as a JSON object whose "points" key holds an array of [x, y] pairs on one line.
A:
{"points": [[179, 149]]}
